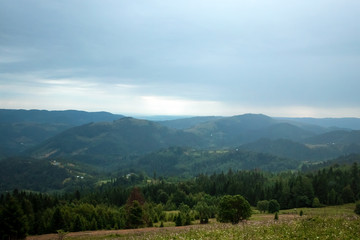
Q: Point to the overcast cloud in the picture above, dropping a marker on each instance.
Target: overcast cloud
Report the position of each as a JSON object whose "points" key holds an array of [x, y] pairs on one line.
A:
{"points": [[189, 57]]}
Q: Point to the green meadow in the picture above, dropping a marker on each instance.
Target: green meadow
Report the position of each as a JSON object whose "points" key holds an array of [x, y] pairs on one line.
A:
{"points": [[338, 222]]}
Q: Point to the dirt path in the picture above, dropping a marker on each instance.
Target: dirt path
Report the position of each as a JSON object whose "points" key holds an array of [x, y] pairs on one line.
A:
{"points": [[261, 220], [106, 232]]}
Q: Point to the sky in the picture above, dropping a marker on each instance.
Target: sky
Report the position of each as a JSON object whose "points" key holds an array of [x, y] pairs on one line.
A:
{"points": [[282, 58]]}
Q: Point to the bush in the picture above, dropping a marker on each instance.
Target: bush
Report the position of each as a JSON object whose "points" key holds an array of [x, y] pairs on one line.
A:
{"points": [[262, 206], [316, 203], [233, 209], [274, 206]]}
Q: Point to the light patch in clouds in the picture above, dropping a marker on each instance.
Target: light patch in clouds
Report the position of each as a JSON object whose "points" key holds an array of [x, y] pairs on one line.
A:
{"points": [[178, 106]]}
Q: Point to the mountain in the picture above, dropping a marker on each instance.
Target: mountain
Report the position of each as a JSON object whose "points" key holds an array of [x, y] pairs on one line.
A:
{"points": [[16, 137], [188, 162], [293, 150], [107, 143], [41, 175], [349, 159], [68, 117], [185, 123], [237, 130], [23, 129], [336, 137], [347, 123]]}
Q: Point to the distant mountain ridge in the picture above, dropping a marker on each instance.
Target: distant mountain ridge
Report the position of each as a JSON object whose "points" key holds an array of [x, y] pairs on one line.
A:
{"points": [[182, 147], [348, 123], [68, 117], [114, 140], [237, 130], [111, 142]]}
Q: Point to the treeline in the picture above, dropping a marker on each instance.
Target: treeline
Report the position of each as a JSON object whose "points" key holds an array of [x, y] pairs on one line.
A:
{"points": [[118, 205]]}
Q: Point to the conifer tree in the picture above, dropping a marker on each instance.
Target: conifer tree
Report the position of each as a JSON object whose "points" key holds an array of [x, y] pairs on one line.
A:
{"points": [[13, 222]]}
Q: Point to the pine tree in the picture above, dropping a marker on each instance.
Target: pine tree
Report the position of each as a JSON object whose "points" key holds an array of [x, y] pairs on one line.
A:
{"points": [[57, 221], [13, 222], [78, 226], [135, 215], [178, 220]]}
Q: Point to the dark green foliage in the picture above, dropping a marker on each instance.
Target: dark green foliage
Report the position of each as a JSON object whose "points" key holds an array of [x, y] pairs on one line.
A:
{"points": [[178, 220], [355, 181], [113, 205], [135, 215], [57, 221], [274, 206], [233, 209], [78, 225], [357, 208], [276, 217], [28, 173], [316, 203], [204, 211], [13, 221], [348, 194], [263, 205], [301, 213]]}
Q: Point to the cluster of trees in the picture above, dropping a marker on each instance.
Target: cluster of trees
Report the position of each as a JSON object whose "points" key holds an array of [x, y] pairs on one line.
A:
{"points": [[228, 197]]}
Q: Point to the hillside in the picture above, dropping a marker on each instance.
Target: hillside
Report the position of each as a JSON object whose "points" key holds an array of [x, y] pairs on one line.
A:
{"points": [[16, 137], [41, 175], [185, 123], [23, 129], [348, 123], [336, 137], [111, 142], [294, 150], [237, 130], [187, 162]]}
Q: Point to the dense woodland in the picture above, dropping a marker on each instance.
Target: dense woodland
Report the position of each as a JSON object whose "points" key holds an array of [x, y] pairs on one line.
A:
{"points": [[136, 200]]}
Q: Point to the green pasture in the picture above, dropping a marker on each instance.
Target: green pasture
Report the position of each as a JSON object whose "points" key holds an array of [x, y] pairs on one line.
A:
{"points": [[334, 222]]}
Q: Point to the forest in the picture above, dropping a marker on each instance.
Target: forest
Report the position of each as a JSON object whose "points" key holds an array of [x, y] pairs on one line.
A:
{"points": [[137, 200]]}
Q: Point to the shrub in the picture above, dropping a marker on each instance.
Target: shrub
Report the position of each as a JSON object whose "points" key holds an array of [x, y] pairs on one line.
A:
{"points": [[274, 206], [233, 209], [262, 206], [316, 203]]}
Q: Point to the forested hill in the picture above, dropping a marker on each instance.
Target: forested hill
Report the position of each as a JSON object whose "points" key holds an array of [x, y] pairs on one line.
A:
{"points": [[23, 129], [109, 142], [237, 130]]}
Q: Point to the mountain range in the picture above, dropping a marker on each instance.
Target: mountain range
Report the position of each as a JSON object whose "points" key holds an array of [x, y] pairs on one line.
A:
{"points": [[180, 147]]}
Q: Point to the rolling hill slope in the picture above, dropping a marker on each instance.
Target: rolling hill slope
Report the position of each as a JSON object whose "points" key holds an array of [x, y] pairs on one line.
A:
{"points": [[108, 143], [23, 129]]}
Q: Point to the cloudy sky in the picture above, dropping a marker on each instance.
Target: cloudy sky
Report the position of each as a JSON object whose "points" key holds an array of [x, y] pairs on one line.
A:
{"points": [[189, 57]]}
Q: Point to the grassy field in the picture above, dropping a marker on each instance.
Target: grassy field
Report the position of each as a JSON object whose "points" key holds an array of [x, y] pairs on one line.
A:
{"points": [[338, 222]]}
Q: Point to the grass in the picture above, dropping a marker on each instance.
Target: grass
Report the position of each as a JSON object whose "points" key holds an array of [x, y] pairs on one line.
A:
{"points": [[337, 222]]}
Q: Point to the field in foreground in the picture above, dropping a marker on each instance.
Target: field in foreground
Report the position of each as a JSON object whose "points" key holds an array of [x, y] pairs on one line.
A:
{"points": [[323, 223]]}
